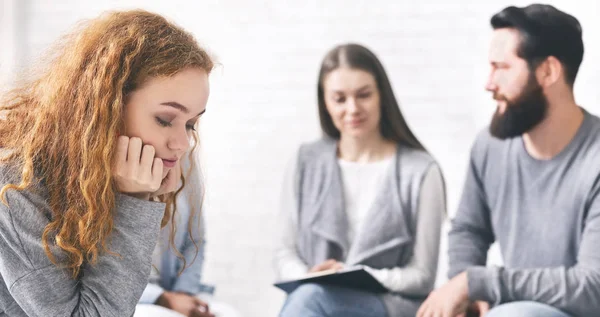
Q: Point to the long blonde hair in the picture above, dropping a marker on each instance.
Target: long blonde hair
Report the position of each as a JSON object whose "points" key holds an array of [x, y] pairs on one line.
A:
{"points": [[61, 127]]}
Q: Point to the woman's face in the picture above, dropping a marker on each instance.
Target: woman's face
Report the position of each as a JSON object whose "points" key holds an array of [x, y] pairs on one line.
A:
{"points": [[164, 111], [353, 102]]}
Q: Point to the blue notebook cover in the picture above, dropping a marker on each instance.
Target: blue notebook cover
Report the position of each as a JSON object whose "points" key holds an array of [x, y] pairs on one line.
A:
{"points": [[356, 278]]}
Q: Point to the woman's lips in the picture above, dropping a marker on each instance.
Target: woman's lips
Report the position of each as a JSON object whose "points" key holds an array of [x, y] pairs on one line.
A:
{"points": [[355, 122], [169, 163]]}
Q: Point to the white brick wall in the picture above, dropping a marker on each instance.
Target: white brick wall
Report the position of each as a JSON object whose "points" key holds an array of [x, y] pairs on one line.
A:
{"points": [[263, 101], [9, 45]]}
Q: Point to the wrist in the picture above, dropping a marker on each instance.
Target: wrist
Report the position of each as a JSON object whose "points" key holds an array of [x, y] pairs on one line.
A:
{"points": [[484, 283]]}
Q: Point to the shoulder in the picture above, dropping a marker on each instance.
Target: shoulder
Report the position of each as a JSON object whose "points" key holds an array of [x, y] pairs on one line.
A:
{"points": [[20, 203], [316, 154], [592, 133], [316, 147], [23, 218], [415, 162], [485, 142]]}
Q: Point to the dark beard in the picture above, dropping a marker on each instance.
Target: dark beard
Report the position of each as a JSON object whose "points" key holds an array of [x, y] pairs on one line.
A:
{"points": [[521, 114]]}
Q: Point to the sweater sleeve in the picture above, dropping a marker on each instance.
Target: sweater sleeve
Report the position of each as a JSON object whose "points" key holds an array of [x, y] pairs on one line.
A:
{"points": [[418, 276], [288, 264], [110, 288], [575, 289], [471, 234]]}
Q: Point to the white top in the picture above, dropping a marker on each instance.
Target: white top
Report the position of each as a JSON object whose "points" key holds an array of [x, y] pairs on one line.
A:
{"points": [[361, 183]]}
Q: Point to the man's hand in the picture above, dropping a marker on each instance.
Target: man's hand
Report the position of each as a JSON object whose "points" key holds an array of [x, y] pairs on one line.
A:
{"points": [[477, 309], [450, 300]]}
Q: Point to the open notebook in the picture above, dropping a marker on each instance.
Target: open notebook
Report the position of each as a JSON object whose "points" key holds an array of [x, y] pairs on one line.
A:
{"points": [[353, 277]]}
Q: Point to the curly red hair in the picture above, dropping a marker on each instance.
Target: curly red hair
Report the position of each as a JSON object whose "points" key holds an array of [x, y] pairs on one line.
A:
{"points": [[61, 127]]}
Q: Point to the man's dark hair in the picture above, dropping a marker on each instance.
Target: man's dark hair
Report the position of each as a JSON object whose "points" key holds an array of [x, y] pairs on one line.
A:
{"points": [[545, 31]]}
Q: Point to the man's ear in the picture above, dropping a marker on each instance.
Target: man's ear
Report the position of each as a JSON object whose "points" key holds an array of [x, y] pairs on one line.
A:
{"points": [[550, 71]]}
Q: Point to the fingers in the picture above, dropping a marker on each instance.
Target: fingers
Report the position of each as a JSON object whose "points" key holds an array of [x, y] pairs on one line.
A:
{"points": [[484, 308], [169, 183], [134, 151], [202, 309], [429, 310], [316, 268], [122, 146], [170, 178], [323, 266], [147, 159], [136, 170], [338, 266], [329, 264], [422, 310], [196, 312], [157, 170]]}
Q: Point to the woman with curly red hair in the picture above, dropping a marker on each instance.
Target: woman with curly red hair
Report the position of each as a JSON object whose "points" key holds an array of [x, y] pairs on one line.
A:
{"points": [[90, 164]]}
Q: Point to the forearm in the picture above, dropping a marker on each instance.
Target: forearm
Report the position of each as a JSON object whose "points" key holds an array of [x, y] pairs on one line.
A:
{"points": [[574, 290]]}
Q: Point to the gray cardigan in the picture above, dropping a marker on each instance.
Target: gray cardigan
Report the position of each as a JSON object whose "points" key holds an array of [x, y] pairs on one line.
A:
{"points": [[389, 238]]}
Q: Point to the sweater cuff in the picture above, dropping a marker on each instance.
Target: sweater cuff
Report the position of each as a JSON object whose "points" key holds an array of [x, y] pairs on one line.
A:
{"points": [[483, 283], [137, 213]]}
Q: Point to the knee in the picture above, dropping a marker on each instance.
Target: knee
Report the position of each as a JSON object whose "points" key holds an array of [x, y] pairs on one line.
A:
{"points": [[307, 292], [304, 301], [525, 309]]}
